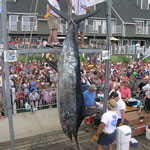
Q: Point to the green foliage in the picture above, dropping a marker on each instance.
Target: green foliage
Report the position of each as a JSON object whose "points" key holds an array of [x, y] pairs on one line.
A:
{"points": [[119, 58], [147, 60], [31, 57], [83, 59]]}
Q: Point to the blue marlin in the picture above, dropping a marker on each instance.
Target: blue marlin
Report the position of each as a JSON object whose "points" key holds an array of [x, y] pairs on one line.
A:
{"points": [[71, 104]]}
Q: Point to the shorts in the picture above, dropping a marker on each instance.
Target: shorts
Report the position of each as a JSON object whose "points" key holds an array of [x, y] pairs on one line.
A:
{"points": [[105, 140], [80, 26], [52, 22]]}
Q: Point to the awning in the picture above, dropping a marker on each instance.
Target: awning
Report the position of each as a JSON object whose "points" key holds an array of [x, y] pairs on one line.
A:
{"points": [[114, 39]]}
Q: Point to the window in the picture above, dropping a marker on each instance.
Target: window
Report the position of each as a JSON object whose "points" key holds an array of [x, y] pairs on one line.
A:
{"points": [[139, 27], [96, 24], [29, 23], [13, 19], [104, 28]]}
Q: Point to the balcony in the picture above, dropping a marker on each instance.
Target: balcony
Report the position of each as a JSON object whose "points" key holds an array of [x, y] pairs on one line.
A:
{"points": [[142, 30], [114, 29], [29, 26], [92, 29]]}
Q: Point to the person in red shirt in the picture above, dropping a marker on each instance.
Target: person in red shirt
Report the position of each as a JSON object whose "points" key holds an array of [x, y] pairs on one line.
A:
{"points": [[125, 91]]}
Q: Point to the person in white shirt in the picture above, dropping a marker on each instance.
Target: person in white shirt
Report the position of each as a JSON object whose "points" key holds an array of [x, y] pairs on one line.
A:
{"points": [[121, 108], [80, 8], [116, 89], [106, 129], [53, 25]]}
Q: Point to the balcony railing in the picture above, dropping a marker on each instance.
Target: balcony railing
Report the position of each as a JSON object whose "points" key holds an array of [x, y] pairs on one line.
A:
{"points": [[114, 29], [92, 29], [29, 26]]}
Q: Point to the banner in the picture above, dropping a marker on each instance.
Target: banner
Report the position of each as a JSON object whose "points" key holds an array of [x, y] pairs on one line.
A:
{"points": [[94, 2]]}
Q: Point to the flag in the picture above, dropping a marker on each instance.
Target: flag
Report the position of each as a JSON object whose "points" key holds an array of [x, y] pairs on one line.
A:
{"points": [[94, 2]]}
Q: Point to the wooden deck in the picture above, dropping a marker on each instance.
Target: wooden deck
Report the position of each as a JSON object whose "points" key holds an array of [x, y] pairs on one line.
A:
{"points": [[59, 141]]}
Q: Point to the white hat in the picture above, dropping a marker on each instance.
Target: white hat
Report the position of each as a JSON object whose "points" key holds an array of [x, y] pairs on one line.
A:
{"points": [[92, 86], [146, 87]]}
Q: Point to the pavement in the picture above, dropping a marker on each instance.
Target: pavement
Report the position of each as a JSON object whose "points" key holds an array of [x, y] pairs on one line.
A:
{"points": [[30, 124]]}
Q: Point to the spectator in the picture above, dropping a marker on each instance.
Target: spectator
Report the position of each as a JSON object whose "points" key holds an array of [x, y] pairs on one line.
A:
{"points": [[125, 92], [34, 97], [89, 98], [33, 84]]}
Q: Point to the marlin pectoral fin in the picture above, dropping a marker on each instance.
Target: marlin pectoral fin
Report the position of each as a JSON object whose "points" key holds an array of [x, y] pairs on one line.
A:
{"points": [[60, 13], [90, 111]]}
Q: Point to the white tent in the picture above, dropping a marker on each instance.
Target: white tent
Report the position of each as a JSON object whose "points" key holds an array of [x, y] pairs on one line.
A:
{"points": [[94, 2]]}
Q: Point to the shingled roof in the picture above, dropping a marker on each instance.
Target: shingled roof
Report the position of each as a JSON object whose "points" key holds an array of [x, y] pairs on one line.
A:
{"points": [[26, 6], [127, 10]]}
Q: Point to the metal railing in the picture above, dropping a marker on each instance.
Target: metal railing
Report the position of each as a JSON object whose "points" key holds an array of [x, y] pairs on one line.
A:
{"points": [[22, 101], [29, 26]]}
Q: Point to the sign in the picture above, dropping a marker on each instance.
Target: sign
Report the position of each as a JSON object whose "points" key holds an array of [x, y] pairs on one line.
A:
{"points": [[105, 55], [10, 55]]}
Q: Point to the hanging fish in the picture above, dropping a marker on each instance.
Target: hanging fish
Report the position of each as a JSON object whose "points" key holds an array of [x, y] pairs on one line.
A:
{"points": [[70, 96]]}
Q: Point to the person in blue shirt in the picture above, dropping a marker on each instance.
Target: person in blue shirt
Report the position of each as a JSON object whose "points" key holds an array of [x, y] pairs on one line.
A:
{"points": [[89, 98], [33, 84], [34, 97]]}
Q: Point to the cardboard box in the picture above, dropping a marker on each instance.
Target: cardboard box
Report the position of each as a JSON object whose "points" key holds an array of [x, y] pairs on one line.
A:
{"points": [[138, 129], [132, 118], [146, 116]]}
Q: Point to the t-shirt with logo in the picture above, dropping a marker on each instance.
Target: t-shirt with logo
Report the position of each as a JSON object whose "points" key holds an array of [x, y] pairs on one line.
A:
{"points": [[110, 119]]}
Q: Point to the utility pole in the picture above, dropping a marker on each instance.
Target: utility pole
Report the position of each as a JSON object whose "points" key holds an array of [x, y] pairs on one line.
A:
{"points": [[2, 63], [106, 86], [6, 84]]}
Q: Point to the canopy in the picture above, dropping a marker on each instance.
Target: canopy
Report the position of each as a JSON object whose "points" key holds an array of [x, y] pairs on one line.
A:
{"points": [[94, 2], [114, 39]]}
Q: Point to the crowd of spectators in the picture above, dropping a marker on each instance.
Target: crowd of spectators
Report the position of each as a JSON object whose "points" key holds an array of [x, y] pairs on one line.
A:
{"points": [[126, 79], [22, 43]]}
